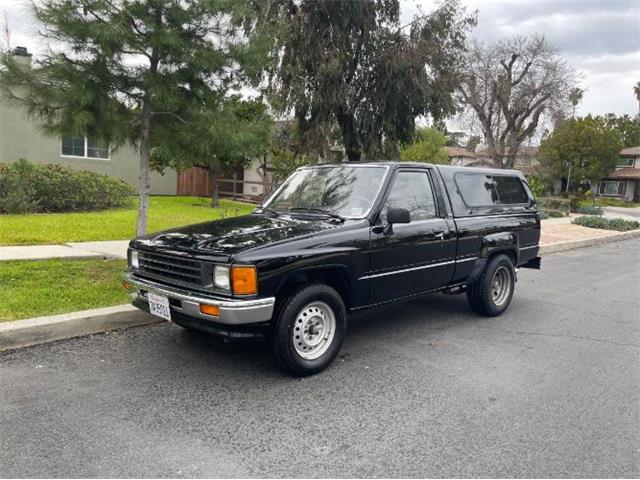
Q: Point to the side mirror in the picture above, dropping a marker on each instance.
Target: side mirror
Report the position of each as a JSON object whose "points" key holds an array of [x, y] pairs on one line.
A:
{"points": [[398, 215]]}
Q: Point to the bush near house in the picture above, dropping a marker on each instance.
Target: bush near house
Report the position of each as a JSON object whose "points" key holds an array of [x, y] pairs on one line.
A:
{"points": [[29, 188], [554, 206], [589, 210], [617, 224]]}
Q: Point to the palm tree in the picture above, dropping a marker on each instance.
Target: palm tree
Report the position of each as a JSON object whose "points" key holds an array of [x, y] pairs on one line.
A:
{"points": [[575, 95], [636, 90]]}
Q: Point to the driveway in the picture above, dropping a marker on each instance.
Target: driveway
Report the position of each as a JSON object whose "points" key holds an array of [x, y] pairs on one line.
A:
{"points": [[424, 389], [622, 212]]}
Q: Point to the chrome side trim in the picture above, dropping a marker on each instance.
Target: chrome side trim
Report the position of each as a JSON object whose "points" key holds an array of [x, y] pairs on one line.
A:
{"points": [[531, 246], [232, 312], [421, 267], [467, 260]]}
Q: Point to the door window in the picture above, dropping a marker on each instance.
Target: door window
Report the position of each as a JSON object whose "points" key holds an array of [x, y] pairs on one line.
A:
{"points": [[411, 190]]}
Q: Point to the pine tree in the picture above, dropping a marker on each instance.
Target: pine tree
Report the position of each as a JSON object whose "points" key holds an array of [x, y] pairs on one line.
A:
{"points": [[150, 73]]}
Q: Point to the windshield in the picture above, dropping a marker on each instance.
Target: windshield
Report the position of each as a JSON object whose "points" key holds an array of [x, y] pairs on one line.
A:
{"points": [[340, 190]]}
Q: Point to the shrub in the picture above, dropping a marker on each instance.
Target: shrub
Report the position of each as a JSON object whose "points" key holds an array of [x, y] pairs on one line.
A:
{"points": [[537, 187], [618, 224], [553, 213], [555, 203], [54, 188], [19, 200], [543, 215], [589, 210]]}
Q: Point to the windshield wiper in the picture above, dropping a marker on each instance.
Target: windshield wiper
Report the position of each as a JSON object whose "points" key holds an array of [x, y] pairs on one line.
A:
{"points": [[268, 210], [318, 210]]}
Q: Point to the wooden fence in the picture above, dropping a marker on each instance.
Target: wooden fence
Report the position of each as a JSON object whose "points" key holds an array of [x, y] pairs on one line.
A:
{"points": [[197, 182]]}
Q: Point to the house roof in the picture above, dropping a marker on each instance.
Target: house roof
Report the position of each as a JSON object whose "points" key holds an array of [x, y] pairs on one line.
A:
{"points": [[626, 173], [630, 152], [459, 152], [522, 152]]}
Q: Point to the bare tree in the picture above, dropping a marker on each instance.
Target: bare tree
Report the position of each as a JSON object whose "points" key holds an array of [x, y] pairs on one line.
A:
{"points": [[509, 85], [5, 44]]}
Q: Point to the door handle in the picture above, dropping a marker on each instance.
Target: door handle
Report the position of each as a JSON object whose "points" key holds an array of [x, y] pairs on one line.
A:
{"points": [[439, 234]]}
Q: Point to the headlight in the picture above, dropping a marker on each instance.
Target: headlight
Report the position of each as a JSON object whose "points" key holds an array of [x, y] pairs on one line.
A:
{"points": [[221, 277], [134, 259]]}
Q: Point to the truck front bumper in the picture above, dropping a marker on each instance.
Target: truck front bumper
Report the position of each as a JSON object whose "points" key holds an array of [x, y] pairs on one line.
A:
{"points": [[233, 311]]}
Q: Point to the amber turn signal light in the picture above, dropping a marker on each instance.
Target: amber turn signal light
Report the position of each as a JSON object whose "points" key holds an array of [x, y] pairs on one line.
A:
{"points": [[210, 309], [244, 280]]}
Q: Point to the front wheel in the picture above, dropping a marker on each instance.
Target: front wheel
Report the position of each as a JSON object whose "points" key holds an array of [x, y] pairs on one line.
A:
{"points": [[310, 329], [491, 294]]}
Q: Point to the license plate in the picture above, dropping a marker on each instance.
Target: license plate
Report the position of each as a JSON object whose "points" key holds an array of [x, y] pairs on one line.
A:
{"points": [[159, 306]]}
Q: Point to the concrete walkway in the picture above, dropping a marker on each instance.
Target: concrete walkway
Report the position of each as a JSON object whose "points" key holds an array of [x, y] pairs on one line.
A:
{"points": [[72, 250]]}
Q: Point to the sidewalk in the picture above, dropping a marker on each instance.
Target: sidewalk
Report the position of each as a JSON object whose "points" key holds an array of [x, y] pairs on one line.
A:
{"points": [[72, 250], [555, 231]]}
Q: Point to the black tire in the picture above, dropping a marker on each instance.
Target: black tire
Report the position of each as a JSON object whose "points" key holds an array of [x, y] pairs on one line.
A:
{"points": [[480, 294], [289, 317]]}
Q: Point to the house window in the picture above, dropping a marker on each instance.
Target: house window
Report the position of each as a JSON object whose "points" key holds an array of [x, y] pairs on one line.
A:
{"points": [[626, 162], [85, 147], [73, 146], [611, 188]]}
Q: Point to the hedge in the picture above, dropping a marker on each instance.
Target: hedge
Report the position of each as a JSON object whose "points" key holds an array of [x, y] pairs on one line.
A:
{"points": [[29, 188], [618, 224]]}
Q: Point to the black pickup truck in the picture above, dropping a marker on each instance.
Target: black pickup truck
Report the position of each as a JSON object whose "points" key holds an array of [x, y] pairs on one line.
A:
{"points": [[334, 239]]}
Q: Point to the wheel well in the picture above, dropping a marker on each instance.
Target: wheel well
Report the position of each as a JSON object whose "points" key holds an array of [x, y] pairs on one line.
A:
{"points": [[509, 253], [335, 277]]}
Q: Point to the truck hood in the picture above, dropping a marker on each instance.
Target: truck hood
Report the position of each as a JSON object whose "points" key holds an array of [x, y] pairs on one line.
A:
{"points": [[232, 235]]}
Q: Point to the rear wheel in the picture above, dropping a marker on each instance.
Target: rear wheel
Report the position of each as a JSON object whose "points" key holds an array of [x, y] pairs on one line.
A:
{"points": [[491, 294], [310, 329]]}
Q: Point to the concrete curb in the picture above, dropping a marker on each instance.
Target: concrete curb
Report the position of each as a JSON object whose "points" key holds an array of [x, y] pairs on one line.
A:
{"points": [[32, 331], [589, 242]]}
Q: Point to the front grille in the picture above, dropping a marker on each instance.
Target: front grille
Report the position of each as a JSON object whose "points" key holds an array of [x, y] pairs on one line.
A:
{"points": [[172, 269]]}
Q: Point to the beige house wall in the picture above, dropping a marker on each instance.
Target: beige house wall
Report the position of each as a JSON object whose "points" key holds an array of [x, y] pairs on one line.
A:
{"points": [[20, 137]]}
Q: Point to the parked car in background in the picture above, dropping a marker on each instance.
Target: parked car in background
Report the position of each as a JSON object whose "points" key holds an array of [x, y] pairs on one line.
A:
{"points": [[335, 239]]}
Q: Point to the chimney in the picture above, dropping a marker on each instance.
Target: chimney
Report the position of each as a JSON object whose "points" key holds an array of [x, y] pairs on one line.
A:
{"points": [[22, 56]]}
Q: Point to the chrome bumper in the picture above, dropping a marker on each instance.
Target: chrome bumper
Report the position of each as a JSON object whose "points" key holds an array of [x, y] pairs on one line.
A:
{"points": [[232, 311]]}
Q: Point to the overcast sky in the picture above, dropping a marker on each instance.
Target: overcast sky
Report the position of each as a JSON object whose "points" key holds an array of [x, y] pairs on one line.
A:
{"points": [[601, 39]]}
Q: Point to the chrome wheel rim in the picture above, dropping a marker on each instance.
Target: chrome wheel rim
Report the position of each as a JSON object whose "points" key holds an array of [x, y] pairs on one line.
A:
{"points": [[500, 285], [314, 330]]}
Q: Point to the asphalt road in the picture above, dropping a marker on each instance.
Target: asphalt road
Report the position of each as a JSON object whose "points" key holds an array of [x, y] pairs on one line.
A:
{"points": [[550, 389]]}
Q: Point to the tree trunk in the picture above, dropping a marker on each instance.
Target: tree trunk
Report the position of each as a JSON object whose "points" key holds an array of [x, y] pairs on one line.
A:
{"points": [[350, 141], [143, 178], [214, 169], [353, 155]]}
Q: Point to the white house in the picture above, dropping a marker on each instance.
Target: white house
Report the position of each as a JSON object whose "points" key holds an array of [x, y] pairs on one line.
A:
{"points": [[624, 182]]}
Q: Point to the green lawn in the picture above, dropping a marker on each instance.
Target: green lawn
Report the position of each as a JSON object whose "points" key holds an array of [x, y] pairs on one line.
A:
{"points": [[164, 212], [614, 202], [46, 287]]}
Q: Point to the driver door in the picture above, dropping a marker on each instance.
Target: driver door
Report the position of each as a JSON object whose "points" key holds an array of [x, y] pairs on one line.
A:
{"points": [[415, 257]]}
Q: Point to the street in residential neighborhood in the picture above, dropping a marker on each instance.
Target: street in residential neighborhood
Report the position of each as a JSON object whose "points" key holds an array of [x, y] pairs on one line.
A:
{"points": [[422, 389], [319, 239]]}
